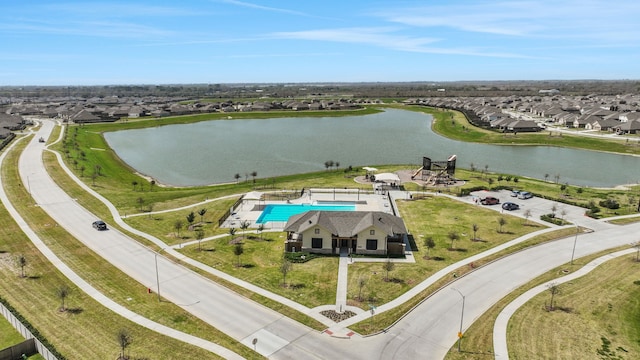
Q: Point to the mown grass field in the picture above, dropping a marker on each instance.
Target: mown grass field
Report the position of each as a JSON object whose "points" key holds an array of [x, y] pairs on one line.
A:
{"points": [[478, 339], [603, 306], [88, 330]]}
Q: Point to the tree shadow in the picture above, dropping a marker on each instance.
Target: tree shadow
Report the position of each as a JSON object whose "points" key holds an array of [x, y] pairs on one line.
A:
{"points": [[33, 277], [247, 266], [437, 258], [479, 240], [297, 286], [74, 311], [209, 250], [394, 280], [457, 249]]}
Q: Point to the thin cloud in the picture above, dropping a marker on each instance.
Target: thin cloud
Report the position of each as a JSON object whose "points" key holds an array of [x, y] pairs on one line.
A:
{"points": [[120, 10], [113, 29], [383, 38], [262, 7], [542, 19]]}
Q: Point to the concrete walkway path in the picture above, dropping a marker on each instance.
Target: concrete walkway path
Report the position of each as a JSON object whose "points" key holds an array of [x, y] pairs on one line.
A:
{"points": [[343, 279], [500, 327], [90, 290]]}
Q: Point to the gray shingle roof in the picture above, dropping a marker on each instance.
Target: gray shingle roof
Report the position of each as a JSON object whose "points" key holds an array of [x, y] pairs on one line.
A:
{"points": [[346, 223]]}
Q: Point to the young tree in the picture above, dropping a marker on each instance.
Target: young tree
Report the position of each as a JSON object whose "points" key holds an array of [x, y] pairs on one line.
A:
{"points": [[135, 184], [554, 208], [238, 250], [429, 243], [546, 177], [124, 340], [501, 221], [237, 177], [453, 236], [232, 232], [201, 212], [475, 229], [472, 166], [253, 175], [563, 213], [637, 246], [199, 237], [191, 217], [260, 230], [285, 268], [554, 289], [140, 202], [388, 267], [63, 292], [82, 169], [362, 281], [22, 262], [244, 225], [527, 215], [177, 226]]}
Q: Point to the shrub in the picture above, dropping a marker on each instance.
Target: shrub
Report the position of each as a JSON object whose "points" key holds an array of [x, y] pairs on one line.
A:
{"points": [[610, 204]]}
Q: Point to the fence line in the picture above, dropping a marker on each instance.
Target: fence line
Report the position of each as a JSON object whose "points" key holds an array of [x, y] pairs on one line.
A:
{"points": [[26, 333]]}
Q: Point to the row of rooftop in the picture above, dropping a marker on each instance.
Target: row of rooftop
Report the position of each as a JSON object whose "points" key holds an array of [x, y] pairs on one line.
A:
{"points": [[619, 113]]}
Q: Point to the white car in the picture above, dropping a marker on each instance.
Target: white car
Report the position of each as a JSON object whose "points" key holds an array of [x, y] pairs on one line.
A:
{"points": [[525, 195]]}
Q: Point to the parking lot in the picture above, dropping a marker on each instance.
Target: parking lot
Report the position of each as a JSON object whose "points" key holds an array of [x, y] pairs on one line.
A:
{"points": [[537, 206]]}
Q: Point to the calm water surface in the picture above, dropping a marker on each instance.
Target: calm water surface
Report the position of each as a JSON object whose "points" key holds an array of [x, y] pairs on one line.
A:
{"points": [[214, 151]]}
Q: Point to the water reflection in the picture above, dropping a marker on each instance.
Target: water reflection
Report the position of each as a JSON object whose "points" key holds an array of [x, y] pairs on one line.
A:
{"points": [[214, 151]]}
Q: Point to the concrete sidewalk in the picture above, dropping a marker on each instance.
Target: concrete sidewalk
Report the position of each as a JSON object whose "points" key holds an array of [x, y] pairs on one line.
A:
{"points": [[500, 327], [90, 290]]}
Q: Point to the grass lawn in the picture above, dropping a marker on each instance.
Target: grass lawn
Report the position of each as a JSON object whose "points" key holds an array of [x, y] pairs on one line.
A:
{"points": [[601, 307], [311, 283], [9, 336], [453, 124], [88, 330], [478, 339], [434, 217]]}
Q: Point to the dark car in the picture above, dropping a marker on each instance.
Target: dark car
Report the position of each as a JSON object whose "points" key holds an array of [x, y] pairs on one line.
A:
{"points": [[490, 200], [99, 225], [510, 206]]}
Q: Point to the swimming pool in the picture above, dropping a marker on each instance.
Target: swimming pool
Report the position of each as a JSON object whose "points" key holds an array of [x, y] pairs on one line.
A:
{"points": [[282, 212]]}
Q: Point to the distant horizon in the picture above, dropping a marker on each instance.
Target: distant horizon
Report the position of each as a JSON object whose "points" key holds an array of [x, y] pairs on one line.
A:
{"points": [[335, 83], [134, 42]]}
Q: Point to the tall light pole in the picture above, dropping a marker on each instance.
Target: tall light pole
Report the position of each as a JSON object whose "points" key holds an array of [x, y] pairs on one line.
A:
{"points": [[574, 244], [157, 274], [461, 318]]}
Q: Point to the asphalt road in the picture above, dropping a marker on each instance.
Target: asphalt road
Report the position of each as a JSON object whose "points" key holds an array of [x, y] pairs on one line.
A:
{"points": [[428, 332]]}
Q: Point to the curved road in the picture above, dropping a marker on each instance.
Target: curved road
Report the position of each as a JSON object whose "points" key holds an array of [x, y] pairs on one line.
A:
{"points": [[427, 332]]}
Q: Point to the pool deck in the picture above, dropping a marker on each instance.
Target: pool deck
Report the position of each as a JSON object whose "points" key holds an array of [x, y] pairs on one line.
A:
{"points": [[250, 210]]}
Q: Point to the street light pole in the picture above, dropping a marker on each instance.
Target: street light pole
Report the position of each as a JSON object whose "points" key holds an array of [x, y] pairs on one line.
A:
{"points": [[461, 318], [157, 274], [574, 244]]}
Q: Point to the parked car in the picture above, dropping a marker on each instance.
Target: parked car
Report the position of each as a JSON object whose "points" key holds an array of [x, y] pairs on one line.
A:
{"points": [[515, 193], [510, 206], [490, 200], [525, 195], [99, 225]]}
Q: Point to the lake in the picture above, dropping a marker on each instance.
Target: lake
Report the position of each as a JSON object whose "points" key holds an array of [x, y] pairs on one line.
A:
{"points": [[211, 152]]}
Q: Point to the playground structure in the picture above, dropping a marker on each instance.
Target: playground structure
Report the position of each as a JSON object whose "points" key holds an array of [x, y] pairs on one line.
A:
{"points": [[436, 172]]}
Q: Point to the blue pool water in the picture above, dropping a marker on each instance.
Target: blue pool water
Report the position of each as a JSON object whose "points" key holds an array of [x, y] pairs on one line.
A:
{"points": [[282, 212]]}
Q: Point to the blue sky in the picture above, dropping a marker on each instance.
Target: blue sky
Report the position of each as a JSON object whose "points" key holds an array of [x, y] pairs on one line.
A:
{"points": [[268, 41]]}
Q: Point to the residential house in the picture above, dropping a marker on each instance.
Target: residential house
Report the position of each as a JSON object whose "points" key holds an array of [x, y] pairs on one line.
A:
{"points": [[358, 232]]}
